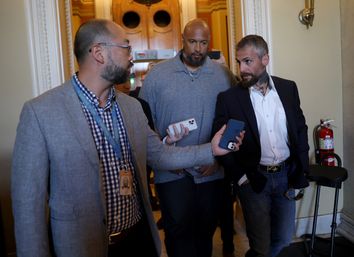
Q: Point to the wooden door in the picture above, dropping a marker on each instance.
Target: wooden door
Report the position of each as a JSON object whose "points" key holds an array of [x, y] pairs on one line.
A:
{"points": [[153, 27]]}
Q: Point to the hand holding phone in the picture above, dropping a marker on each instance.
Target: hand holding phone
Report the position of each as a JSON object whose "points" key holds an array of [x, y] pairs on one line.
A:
{"points": [[191, 124], [233, 129]]}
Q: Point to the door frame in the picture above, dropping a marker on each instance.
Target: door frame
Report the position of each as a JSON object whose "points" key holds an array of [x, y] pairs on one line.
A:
{"points": [[51, 42]]}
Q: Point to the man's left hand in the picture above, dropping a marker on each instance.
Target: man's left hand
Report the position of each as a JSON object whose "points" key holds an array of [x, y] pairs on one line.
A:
{"points": [[217, 150]]}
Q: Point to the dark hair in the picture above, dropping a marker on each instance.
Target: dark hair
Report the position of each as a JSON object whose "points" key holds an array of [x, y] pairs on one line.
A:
{"points": [[90, 32], [256, 41]]}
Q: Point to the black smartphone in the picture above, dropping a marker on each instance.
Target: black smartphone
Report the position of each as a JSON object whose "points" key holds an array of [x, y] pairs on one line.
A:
{"points": [[233, 129], [214, 54]]}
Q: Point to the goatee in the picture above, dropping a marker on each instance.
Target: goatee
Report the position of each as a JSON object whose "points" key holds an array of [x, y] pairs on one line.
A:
{"points": [[264, 77], [188, 59]]}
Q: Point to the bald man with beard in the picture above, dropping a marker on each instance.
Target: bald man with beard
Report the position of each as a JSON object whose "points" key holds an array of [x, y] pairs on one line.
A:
{"points": [[177, 89]]}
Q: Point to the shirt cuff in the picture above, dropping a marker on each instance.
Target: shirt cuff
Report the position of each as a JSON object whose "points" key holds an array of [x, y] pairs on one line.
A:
{"points": [[164, 141], [242, 180]]}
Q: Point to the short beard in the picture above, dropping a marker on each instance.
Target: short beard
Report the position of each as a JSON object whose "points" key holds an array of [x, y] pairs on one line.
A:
{"points": [[115, 74], [248, 83], [255, 79], [189, 60]]}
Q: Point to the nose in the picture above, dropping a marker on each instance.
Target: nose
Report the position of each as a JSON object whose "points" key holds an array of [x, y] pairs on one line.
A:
{"points": [[242, 67], [197, 46]]}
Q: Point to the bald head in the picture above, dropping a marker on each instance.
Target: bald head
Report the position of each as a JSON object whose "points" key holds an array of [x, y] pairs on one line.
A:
{"points": [[196, 24], [196, 37], [91, 32]]}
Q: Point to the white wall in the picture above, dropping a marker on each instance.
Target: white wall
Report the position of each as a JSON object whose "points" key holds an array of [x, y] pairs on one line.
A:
{"points": [[347, 19], [311, 57], [16, 88]]}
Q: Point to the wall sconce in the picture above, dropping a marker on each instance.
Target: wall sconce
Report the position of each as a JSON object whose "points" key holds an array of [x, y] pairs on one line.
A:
{"points": [[147, 2], [307, 15]]}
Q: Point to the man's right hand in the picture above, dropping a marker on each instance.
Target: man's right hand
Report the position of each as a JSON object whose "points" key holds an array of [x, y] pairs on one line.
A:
{"points": [[173, 138]]}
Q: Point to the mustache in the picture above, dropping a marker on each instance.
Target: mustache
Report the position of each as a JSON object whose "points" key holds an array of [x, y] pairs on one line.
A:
{"points": [[263, 78]]}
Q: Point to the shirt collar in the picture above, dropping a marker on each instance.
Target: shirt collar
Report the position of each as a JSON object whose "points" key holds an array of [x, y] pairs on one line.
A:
{"points": [[270, 86], [93, 99]]}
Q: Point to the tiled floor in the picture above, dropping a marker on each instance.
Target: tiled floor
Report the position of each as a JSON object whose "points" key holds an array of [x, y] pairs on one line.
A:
{"points": [[240, 239]]}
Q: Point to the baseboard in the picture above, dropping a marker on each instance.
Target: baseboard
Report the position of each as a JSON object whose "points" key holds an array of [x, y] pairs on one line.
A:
{"points": [[304, 225], [346, 227]]}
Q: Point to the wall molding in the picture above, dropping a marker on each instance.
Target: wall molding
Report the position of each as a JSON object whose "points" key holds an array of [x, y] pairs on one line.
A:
{"points": [[44, 38], [256, 20], [346, 227], [232, 34]]}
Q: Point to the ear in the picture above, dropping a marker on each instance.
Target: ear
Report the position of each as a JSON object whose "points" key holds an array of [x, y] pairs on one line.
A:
{"points": [[97, 54], [265, 59]]}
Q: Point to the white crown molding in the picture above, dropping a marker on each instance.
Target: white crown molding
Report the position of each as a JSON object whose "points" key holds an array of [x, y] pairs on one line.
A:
{"points": [[69, 36], [256, 20], [45, 44]]}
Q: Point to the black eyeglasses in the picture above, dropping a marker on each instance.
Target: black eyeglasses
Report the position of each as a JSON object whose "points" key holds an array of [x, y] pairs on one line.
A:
{"points": [[129, 47]]}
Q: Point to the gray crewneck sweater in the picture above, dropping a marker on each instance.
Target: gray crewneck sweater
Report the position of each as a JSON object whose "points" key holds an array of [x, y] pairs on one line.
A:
{"points": [[175, 95]]}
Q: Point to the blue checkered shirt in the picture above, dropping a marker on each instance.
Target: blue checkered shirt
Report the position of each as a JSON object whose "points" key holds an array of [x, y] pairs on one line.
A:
{"points": [[122, 211]]}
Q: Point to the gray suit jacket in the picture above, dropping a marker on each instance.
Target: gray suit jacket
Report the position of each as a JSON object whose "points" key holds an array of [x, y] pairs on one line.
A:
{"points": [[56, 168]]}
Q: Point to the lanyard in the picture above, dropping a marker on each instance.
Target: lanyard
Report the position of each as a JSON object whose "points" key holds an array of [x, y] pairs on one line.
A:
{"points": [[113, 140]]}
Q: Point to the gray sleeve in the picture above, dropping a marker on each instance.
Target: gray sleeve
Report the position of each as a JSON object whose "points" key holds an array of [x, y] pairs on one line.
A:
{"points": [[29, 183], [164, 157], [147, 93]]}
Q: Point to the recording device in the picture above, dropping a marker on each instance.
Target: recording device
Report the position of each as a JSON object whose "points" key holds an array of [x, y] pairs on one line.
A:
{"points": [[233, 129], [191, 124], [214, 54]]}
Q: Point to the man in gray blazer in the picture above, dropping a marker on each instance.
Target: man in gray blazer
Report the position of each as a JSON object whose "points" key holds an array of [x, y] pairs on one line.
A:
{"points": [[79, 179]]}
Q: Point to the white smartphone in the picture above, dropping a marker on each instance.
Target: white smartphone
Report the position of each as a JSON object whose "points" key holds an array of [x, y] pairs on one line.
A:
{"points": [[191, 124]]}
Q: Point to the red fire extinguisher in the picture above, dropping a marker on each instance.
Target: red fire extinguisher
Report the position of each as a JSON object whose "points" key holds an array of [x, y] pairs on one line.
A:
{"points": [[325, 143]]}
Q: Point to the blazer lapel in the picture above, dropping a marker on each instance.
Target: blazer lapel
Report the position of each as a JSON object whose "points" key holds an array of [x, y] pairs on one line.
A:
{"points": [[284, 95], [80, 125], [129, 121], [126, 116]]}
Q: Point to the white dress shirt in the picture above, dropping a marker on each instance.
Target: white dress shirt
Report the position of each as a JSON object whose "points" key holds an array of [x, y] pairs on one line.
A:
{"points": [[272, 127]]}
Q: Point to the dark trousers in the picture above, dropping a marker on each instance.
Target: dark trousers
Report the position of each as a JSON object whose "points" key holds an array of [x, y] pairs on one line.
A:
{"points": [[138, 242], [189, 214], [226, 220]]}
